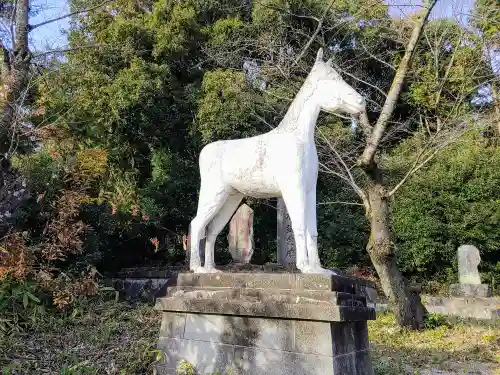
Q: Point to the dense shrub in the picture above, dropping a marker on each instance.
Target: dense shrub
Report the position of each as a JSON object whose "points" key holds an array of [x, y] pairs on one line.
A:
{"points": [[454, 201]]}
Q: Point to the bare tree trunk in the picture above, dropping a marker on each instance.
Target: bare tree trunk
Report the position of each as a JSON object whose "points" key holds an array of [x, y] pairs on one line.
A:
{"points": [[15, 68], [15, 72], [496, 104], [405, 302]]}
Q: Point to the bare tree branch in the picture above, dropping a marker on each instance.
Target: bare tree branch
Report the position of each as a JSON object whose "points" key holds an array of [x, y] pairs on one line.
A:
{"points": [[361, 80], [376, 58], [12, 25], [365, 124], [339, 202], [32, 27], [416, 166], [348, 175], [316, 32], [373, 142], [64, 50]]}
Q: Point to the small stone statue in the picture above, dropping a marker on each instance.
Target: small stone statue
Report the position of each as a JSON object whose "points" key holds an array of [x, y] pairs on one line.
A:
{"points": [[470, 281], [468, 261], [240, 237]]}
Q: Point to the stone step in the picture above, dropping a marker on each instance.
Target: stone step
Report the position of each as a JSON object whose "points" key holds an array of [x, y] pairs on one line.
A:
{"points": [[260, 295], [327, 311], [281, 281]]}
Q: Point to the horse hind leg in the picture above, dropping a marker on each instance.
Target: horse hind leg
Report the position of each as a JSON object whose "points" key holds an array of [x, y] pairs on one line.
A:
{"points": [[216, 225], [210, 202]]}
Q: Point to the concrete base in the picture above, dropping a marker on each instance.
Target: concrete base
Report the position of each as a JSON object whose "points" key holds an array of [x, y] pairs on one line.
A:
{"points": [[272, 324], [470, 290]]}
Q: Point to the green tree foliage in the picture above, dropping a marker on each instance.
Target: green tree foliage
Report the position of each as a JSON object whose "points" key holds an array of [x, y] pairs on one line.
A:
{"points": [[157, 80], [487, 19], [448, 71], [455, 201]]}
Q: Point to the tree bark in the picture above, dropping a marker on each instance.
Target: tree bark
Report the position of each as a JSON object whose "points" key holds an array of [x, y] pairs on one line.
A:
{"points": [[15, 72], [373, 141], [405, 301], [15, 68], [496, 104]]}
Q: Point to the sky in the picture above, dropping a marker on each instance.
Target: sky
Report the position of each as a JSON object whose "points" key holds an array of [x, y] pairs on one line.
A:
{"points": [[52, 35]]}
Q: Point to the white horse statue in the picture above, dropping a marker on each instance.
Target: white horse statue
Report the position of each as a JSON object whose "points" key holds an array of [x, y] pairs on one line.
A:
{"points": [[280, 163]]}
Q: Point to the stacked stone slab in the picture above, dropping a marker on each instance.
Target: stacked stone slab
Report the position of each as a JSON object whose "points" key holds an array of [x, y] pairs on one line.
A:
{"points": [[263, 323]]}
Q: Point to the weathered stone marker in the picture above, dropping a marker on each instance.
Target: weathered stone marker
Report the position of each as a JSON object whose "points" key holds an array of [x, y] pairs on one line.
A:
{"points": [[265, 324], [240, 237], [286, 242], [469, 279]]}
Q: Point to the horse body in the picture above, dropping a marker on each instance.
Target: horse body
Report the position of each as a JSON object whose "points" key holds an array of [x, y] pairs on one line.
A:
{"points": [[253, 166], [280, 163]]}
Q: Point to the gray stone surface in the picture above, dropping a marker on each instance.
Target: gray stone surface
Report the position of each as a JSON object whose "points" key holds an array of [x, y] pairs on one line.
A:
{"points": [[463, 307], [370, 294], [145, 289], [240, 236], [477, 308], [468, 260], [470, 290], [265, 346], [253, 327], [263, 280]]}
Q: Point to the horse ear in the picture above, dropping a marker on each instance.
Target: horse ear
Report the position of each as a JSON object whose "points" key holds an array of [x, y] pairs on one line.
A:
{"points": [[319, 55], [329, 62]]}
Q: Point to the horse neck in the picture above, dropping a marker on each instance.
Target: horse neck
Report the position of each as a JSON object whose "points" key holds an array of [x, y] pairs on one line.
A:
{"points": [[301, 117]]}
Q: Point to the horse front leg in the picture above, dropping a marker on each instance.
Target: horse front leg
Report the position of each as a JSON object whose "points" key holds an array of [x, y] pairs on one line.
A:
{"points": [[293, 193], [312, 237]]}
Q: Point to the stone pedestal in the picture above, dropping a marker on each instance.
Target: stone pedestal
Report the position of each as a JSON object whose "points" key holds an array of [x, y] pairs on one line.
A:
{"points": [[265, 324], [470, 290]]}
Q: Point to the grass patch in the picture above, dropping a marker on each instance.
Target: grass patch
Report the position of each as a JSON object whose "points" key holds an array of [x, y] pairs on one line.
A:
{"points": [[96, 337], [447, 345]]}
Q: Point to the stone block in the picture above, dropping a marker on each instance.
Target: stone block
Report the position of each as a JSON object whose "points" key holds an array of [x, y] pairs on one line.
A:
{"points": [[344, 364], [173, 325], [285, 324], [470, 290], [242, 331], [256, 361], [283, 280], [363, 363], [270, 309], [465, 307], [360, 331], [271, 281], [313, 337], [208, 357]]}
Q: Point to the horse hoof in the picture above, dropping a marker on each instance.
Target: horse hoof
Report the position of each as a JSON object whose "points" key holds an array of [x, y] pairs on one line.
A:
{"points": [[206, 270], [319, 270], [213, 270]]}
